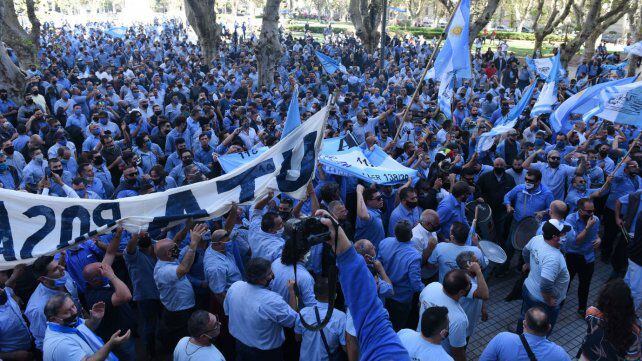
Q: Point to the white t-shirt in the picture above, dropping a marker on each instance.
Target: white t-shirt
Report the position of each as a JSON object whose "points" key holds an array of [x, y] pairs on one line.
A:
{"points": [[420, 240], [547, 262], [433, 295], [187, 351], [420, 349]]}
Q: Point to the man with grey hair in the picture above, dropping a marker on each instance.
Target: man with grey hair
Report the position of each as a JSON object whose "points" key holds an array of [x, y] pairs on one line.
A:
{"points": [[69, 337], [424, 239]]}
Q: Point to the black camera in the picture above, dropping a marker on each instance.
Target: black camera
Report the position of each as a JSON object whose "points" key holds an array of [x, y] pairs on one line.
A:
{"points": [[305, 232]]}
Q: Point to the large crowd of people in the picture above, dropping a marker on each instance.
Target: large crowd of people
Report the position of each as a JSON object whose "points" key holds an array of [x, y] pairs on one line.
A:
{"points": [[105, 117]]}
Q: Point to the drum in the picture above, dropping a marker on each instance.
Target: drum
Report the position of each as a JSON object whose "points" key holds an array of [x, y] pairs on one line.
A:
{"points": [[484, 212], [525, 230]]}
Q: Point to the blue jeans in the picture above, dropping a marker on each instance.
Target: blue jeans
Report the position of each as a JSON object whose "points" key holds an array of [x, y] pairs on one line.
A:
{"points": [[528, 301]]}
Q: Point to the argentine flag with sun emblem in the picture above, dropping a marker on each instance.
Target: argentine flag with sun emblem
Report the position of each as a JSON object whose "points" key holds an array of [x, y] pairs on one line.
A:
{"points": [[453, 61]]}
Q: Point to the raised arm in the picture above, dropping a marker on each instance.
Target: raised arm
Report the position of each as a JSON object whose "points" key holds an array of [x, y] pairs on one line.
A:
{"points": [[362, 209], [195, 235], [110, 253]]}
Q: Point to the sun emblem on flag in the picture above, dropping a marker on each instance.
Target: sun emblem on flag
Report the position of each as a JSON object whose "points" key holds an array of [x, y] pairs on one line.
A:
{"points": [[456, 30]]}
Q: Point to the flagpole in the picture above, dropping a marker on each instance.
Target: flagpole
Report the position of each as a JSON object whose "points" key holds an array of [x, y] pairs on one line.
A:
{"points": [[633, 144], [423, 75]]}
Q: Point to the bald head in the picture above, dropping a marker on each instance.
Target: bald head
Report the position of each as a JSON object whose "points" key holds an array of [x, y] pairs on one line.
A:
{"points": [[499, 162], [558, 210], [365, 247], [92, 274], [163, 248], [536, 322], [429, 216]]}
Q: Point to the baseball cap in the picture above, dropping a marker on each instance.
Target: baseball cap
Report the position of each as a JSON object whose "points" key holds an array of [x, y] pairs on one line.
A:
{"points": [[554, 227]]}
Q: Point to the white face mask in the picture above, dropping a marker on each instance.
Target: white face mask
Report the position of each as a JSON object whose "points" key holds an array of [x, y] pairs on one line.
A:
{"points": [[529, 186]]}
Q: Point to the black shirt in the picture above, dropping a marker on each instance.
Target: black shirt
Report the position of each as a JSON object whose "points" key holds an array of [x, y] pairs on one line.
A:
{"points": [[116, 317]]}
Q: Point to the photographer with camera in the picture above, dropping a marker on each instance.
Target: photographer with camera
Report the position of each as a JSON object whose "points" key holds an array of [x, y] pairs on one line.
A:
{"points": [[377, 339]]}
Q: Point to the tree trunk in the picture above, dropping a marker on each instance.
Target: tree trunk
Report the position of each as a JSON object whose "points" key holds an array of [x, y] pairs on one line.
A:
{"points": [[201, 15], [269, 48], [11, 77], [33, 19], [15, 36], [593, 25], [539, 39], [366, 18], [589, 46], [636, 34], [482, 20]]}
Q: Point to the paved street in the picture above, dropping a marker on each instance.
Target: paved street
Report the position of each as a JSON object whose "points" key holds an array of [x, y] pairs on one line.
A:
{"points": [[569, 330]]}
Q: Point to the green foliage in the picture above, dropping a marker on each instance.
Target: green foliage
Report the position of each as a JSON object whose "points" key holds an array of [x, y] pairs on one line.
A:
{"points": [[314, 29], [430, 33]]}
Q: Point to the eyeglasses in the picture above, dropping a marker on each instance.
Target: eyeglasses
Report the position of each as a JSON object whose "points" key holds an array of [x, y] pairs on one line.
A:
{"points": [[378, 198], [554, 158]]}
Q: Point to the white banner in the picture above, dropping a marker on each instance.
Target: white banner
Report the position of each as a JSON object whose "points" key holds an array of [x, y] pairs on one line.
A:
{"points": [[33, 225]]}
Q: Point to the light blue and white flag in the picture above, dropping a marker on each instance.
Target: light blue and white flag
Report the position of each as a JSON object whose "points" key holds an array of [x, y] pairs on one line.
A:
{"points": [[486, 140], [581, 103], [117, 32], [330, 65], [518, 109], [453, 59], [635, 49], [293, 119], [399, 10], [231, 161], [622, 104], [548, 95], [375, 166], [542, 66], [616, 67]]}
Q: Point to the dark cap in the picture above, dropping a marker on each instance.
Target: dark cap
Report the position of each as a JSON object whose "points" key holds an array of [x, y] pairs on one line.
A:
{"points": [[553, 228]]}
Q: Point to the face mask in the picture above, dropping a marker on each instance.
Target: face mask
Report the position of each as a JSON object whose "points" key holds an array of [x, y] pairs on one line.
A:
{"points": [[9, 150], [58, 171], [529, 185], [39, 158], [581, 187], [59, 282], [553, 163], [412, 205], [3, 167], [593, 163], [603, 153], [284, 215], [81, 193], [499, 170], [77, 112], [158, 112], [62, 142], [560, 144], [103, 121], [30, 101], [71, 321], [98, 161], [187, 161]]}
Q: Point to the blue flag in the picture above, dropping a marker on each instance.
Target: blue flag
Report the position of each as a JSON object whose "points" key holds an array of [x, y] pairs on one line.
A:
{"points": [[330, 65], [117, 32], [622, 104], [294, 118], [581, 103], [548, 95]]}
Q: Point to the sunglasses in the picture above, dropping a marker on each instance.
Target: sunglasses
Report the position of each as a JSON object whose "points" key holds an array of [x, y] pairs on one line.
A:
{"points": [[379, 198]]}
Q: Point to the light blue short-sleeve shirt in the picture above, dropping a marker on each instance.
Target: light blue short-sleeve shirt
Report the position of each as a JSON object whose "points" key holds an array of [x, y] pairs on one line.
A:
{"points": [[304, 280], [334, 332], [176, 294], [220, 270]]}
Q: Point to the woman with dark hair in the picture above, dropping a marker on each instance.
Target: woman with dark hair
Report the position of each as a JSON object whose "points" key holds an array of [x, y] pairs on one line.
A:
{"points": [[613, 331]]}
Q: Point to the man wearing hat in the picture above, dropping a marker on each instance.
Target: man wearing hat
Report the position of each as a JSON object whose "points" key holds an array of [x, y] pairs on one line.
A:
{"points": [[548, 278]]}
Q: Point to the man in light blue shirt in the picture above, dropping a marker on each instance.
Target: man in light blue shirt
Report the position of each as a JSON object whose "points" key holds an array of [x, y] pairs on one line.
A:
{"points": [[555, 176], [265, 228], [402, 263], [406, 210], [580, 248], [453, 208], [221, 270], [257, 315], [369, 223], [15, 339], [426, 345], [52, 280], [312, 346], [187, 159], [175, 290], [507, 346]]}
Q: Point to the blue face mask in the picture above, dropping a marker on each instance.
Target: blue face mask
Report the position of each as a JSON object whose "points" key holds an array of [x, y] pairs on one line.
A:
{"points": [[593, 163], [581, 187], [78, 111], [103, 121], [149, 144], [59, 282], [62, 142], [3, 167]]}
